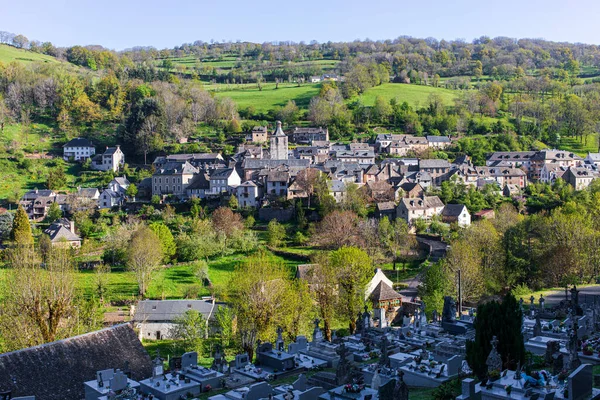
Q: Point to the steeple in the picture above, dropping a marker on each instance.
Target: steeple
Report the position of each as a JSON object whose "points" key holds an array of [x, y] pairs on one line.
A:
{"points": [[279, 144], [279, 131]]}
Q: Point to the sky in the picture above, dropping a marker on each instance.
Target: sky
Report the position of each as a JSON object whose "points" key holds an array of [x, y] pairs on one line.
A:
{"points": [[121, 24]]}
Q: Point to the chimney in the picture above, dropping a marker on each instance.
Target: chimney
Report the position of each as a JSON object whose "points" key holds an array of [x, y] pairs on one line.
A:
{"points": [[72, 226]]}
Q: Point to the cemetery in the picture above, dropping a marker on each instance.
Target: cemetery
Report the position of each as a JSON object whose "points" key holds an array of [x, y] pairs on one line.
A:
{"points": [[377, 362]]}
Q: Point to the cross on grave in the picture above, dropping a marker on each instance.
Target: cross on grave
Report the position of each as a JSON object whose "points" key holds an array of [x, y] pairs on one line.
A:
{"points": [[279, 341], [493, 361], [317, 334], [542, 301], [157, 365]]}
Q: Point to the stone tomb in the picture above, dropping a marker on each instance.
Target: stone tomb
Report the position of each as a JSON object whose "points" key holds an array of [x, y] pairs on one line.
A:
{"points": [[261, 390], [207, 378], [170, 386], [339, 393], [106, 381], [276, 360]]}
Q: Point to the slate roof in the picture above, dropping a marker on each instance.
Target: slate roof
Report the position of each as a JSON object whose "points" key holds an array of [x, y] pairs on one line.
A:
{"points": [[278, 176], [199, 181], [383, 292], [386, 206], [78, 142], [434, 163], [221, 173], [255, 163], [57, 370], [171, 168], [453, 210], [595, 157], [422, 203], [110, 151], [438, 139], [337, 186], [169, 310], [515, 156], [58, 231], [89, 193]]}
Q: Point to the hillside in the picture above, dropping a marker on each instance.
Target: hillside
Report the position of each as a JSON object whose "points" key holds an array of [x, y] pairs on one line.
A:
{"points": [[414, 95], [9, 53]]}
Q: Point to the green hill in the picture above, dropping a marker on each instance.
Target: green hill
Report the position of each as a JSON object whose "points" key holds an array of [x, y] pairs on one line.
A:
{"points": [[9, 53]]}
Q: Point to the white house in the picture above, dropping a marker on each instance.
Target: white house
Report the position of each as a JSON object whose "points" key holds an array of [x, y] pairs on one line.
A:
{"points": [[592, 158], [78, 149], [377, 278], [222, 180], [111, 160], [456, 213], [114, 195], [248, 194]]}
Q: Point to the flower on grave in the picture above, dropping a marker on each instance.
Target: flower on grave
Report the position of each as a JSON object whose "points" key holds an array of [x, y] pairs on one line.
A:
{"points": [[207, 388], [494, 375], [508, 389], [353, 388], [563, 375]]}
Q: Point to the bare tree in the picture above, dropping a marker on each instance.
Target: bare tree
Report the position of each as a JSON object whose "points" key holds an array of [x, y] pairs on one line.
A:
{"points": [[144, 256]]}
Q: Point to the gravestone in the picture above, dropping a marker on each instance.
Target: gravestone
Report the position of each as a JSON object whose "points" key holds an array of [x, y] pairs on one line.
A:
{"points": [[376, 380], [537, 328], [118, 381], [189, 359], [379, 313], [384, 360], [343, 372], [401, 389], [454, 365], [574, 361], [542, 302], [435, 316], [157, 365], [259, 390], [386, 391], [580, 383], [300, 383], [468, 389], [219, 363], [279, 344], [493, 361], [301, 344], [317, 334], [366, 318], [558, 363], [552, 347], [241, 360], [359, 325], [174, 363]]}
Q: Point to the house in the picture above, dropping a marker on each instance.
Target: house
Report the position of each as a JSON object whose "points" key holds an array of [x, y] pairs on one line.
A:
{"points": [[337, 189], [199, 186], [57, 370], [592, 159], [277, 181], [579, 177], [39, 206], [409, 190], [110, 198], [259, 134], [515, 159], [204, 161], [380, 191], [560, 157], [425, 207], [249, 194], [456, 213], [308, 135], [111, 160], [362, 157], [511, 190], [253, 166], [437, 169], [223, 180], [502, 175], [173, 178], [487, 213], [438, 142], [155, 319], [78, 149], [551, 172], [62, 233], [385, 209]]}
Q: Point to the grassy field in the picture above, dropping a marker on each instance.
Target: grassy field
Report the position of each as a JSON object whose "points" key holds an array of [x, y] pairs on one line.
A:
{"points": [[9, 53], [415, 95], [580, 147], [248, 95]]}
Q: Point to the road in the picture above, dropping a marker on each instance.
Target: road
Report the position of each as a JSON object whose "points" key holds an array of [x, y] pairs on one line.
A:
{"points": [[557, 296]]}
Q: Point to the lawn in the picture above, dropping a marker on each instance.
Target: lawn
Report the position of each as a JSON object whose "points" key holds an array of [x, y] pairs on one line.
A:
{"points": [[248, 95], [9, 53], [580, 147], [415, 95]]}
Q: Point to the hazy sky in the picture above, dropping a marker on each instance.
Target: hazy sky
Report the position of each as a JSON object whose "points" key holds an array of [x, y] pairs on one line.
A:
{"points": [[126, 23]]}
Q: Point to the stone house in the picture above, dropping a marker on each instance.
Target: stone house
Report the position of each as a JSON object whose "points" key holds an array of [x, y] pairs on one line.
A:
{"points": [[223, 180], [173, 178], [249, 194], [259, 134], [199, 186], [337, 189], [277, 183], [78, 149], [111, 160], [438, 169], [579, 177], [308, 135], [155, 319], [62, 233], [425, 207], [438, 142], [560, 157]]}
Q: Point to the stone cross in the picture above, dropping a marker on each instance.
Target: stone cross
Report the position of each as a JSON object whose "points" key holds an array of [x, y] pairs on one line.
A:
{"points": [[317, 334], [532, 300], [542, 301], [494, 362]]}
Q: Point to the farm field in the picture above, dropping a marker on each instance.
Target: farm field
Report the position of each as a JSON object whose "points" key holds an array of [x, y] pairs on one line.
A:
{"points": [[9, 53], [414, 95], [248, 95]]}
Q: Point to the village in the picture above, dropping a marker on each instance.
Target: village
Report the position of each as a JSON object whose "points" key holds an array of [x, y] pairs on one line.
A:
{"points": [[395, 346]]}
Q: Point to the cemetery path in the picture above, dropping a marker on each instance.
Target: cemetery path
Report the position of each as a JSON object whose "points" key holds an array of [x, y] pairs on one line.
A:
{"points": [[410, 290]]}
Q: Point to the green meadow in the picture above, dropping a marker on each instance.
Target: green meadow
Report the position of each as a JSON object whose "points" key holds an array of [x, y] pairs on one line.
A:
{"points": [[9, 53]]}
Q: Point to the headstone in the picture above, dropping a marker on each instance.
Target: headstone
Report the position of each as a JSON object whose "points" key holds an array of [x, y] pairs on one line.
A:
{"points": [[454, 365], [241, 360], [259, 390], [401, 389], [343, 372], [157, 365], [379, 313], [580, 383], [449, 313], [434, 316], [359, 325], [537, 328], [376, 380], [542, 302], [300, 383], [317, 334], [279, 344], [189, 359], [558, 363], [299, 345], [494, 362], [574, 361], [468, 388], [552, 347], [386, 391], [118, 382], [385, 358], [366, 318], [175, 363]]}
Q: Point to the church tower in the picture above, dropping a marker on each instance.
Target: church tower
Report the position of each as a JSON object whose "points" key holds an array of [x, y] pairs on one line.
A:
{"points": [[279, 144]]}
